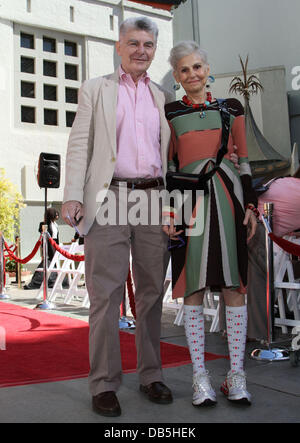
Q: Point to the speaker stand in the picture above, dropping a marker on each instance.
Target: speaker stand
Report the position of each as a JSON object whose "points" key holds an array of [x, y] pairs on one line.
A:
{"points": [[45, 304]]}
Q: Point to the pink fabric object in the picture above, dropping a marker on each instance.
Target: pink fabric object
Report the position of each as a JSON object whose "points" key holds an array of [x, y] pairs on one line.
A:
{"points": [[138, 130], [284, 193]]}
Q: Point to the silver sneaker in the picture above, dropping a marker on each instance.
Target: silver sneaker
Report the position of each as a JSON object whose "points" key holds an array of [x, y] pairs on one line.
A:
{"points": [[204, 395], [234, 387]]}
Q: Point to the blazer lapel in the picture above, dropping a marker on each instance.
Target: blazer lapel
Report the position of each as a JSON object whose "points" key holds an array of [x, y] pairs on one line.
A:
{"points": [[109, 110]]}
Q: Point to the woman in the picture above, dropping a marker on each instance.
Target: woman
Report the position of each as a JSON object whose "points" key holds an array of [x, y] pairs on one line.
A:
{"points": [[218, 257], [52, 215]]}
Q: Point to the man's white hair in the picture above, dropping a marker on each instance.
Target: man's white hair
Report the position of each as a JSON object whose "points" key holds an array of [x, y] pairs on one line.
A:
{"points": [[139, 23]]}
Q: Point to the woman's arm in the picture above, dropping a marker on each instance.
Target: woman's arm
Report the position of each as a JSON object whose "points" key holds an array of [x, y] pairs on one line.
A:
{"points": [[238, 132]]}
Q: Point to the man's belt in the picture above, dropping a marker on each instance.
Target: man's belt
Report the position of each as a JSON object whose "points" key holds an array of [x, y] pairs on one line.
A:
{"points": [[138, 183]]}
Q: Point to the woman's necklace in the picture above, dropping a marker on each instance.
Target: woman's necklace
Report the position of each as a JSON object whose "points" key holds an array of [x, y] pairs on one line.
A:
{"points": [[199, 105]]}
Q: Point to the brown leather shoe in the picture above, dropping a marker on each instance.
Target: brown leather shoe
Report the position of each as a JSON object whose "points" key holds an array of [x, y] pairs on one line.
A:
{"points": [[107, 404], [157, 392]]}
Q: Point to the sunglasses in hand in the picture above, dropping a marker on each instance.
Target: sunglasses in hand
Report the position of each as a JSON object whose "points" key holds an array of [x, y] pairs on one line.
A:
{"points": [[179, 243]]}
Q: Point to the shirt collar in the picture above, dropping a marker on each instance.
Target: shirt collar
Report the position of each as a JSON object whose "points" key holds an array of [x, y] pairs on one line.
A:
{"points": [[125, 77]]}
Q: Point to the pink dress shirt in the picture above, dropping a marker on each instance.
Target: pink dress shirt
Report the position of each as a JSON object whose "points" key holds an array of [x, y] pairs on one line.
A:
{"points": [[138, 130]]}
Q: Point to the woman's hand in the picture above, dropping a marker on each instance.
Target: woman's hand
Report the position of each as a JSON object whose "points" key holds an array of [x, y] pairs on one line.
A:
{"points": [[170, 230], [251, 223], [234, 158]]}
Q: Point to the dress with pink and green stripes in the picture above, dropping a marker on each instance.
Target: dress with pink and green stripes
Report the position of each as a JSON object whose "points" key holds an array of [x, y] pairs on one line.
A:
{"points": [[217, 257]]}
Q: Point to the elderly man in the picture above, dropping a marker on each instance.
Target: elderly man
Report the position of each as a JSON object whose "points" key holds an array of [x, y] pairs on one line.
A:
{"points": [[118, 142]]}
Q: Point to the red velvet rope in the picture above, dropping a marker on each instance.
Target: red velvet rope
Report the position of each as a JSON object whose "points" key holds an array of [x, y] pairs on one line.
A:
{"points": [[287, 246], [26, 259], [64, 252], [12, 246], [131, 294], [4, 262]]}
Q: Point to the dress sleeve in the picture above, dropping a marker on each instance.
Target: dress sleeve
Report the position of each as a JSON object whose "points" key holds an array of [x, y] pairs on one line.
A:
{"points": [[172, 153], [168, 210], [238, 132]]}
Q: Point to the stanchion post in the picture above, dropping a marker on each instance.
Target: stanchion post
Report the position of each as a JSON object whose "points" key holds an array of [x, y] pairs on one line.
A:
{"points": [[45, 304], [268, 214], [18, 265], [3, 295], [270, 354], [45, 260]]}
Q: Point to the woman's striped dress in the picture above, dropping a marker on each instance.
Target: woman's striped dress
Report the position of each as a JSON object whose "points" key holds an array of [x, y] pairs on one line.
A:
{"points": [[218, 256]]}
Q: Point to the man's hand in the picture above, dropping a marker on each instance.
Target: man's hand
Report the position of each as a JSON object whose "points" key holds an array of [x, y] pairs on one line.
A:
{"points": [[72, 212]]}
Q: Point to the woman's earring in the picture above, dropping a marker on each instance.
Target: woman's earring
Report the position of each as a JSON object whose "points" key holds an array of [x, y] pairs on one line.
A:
{"points": [[176, 87], [210, 80]]}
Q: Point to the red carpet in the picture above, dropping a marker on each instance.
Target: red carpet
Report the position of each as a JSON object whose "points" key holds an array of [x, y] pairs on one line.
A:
{"points": [[44, 347]]}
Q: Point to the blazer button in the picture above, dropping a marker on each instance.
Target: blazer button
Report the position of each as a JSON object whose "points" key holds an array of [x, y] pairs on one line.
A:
{"points": [[113, 159], [106, 185]]}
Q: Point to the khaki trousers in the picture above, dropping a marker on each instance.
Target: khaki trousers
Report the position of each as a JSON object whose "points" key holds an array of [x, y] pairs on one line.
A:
{"points": [[107, 252]]}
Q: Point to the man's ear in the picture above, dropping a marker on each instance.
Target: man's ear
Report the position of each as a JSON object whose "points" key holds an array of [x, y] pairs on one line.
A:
{"points": [[155, 49], [117, 45]]}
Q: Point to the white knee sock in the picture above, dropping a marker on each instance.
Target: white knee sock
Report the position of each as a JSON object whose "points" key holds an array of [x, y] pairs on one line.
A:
{"points": [[236, 319], [195, 335]]}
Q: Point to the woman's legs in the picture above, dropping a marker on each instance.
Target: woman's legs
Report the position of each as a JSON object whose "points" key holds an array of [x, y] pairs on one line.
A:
{"points": [[234, 387], [195, 335], [194, 329], [236, 317], [236, 320]]}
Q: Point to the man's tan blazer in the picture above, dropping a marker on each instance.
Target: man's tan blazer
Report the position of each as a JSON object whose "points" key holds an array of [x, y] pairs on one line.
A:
{"points": [[92, 150]]}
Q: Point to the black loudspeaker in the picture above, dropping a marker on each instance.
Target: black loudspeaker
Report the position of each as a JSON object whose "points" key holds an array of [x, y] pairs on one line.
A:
{"points": [[49, 170]]}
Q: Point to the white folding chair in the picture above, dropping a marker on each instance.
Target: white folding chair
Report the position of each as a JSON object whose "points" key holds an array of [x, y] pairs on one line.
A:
{"points": [[76, 290], [286, 286], [56, 266], [65, 268], [68, 269], [168, 301]]}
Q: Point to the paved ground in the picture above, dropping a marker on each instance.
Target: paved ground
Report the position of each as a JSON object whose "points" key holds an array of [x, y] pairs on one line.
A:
{"points": [[275, 387]]}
